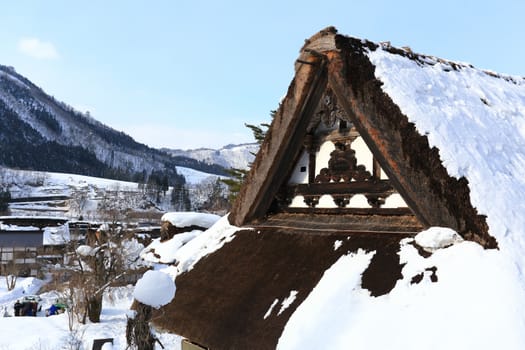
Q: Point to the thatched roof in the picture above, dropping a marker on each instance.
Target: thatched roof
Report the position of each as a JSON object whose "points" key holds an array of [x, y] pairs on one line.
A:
{"points": [[338, 63], [222, 301], [225, 301]]}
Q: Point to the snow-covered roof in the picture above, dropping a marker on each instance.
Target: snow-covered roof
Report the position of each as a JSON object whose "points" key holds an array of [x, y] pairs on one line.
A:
{"points": [[477, 121], [155, 289], [55, 230], [33, 218], [187, 219], [185, 249], [451, 138], [56, 235], [4, 227]]}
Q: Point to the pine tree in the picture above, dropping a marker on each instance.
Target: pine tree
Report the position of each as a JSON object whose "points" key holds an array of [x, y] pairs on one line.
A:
{"points": [[237, 176], [259, 131], [234, 182]]}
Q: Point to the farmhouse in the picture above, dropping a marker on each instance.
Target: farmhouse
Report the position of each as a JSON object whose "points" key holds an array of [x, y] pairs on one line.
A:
{"points": [[372, 145]]}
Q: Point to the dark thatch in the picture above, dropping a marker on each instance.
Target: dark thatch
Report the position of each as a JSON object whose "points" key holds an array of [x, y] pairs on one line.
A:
{"points": [[222, 301]]}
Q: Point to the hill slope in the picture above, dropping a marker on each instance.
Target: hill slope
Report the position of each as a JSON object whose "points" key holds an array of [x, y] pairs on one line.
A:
{"points": [[38, 132], [230, 156]]}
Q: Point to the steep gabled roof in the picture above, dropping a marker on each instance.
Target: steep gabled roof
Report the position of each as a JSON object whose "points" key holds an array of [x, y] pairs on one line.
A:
{"points": [[343, 66], [450, 140]]}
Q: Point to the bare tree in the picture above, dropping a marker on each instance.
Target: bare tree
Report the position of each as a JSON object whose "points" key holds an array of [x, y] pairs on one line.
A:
{"points": [[108, 255], [78, 201], [104, 260], [8, 267], [98, 266], [210, 195]]}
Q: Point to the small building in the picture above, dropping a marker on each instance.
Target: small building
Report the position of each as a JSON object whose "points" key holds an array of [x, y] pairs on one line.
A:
{"points": [[371, 145], [28, 242]]}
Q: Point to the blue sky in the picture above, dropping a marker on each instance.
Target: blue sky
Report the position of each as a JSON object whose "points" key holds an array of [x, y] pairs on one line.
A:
{"points": [[189, 74]]}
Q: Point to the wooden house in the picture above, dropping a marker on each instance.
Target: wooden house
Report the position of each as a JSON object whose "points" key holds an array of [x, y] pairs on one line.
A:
{"points": [[341, 164], [28, 242]]}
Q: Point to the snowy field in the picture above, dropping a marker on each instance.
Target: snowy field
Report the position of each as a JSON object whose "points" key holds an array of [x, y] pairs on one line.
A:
{"points": [[52, 333]]}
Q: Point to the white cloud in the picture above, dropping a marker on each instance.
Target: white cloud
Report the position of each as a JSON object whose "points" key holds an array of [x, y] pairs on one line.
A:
{"points": [[36, 48]]}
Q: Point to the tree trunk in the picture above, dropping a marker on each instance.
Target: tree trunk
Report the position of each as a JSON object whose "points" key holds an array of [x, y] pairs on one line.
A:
{"points": [[138, 332], [94, 308]]}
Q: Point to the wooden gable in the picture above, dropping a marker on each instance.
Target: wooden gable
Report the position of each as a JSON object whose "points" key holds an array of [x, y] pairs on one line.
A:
{"points": [[336, 170], [336, 98]]}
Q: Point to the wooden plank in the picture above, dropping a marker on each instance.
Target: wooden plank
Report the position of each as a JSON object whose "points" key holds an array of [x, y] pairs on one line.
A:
{"points": [[323, 223], [344, 231], [342, 188]]}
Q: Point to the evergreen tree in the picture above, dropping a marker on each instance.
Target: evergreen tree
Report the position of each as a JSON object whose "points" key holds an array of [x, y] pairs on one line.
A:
{"points": [[5, 198], [234, 182], [259, 131], [237, 176]]}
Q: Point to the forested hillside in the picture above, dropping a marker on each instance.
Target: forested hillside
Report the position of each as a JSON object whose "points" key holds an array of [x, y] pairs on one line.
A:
{"points": [[40, 133]]}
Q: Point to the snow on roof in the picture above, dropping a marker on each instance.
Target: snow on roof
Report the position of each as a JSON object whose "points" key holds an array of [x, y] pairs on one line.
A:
{"points": [[204, 244], [166, 252], [52, 235], [462, 296], [187, 248], [4, 227], [477, 121], [474, 305], [33, 218], [56, 235], [155, 289], [186, 219]]}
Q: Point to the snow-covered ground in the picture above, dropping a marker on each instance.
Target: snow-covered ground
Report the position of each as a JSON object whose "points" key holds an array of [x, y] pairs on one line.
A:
{"points": [[177, 255], [85, 191], [41, 332]]}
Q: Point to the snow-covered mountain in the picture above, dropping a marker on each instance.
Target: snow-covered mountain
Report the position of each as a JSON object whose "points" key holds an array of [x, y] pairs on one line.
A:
{"points": [[230, 156], [38, 132]]}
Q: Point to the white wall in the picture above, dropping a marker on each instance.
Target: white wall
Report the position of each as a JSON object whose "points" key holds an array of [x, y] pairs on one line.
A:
{"points": [[363, 156], [298, 176]]}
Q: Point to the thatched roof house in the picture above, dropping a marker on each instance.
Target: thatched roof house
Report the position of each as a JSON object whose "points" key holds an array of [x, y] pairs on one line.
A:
{"points": [[371, 145]]}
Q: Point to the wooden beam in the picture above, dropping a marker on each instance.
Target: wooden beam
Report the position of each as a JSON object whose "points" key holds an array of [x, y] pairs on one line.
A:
{"points": [[283, 142], [372, 135], [341, 188]]}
